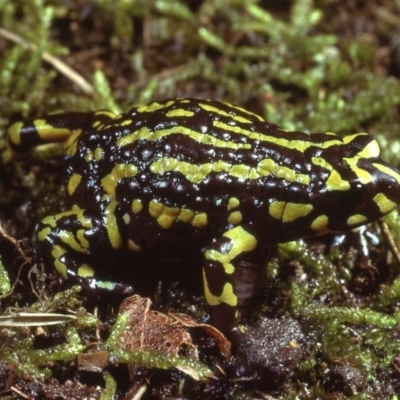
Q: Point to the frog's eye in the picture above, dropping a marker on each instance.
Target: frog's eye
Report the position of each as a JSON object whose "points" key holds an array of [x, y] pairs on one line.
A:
{"points": [[357, 195]]}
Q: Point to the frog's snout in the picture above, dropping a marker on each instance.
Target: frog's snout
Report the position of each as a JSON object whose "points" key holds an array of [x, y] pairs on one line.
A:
{"points": [[388, 187]]}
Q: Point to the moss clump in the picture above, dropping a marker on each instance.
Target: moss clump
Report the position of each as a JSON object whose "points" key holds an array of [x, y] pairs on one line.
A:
{"points": [[306, 65]]}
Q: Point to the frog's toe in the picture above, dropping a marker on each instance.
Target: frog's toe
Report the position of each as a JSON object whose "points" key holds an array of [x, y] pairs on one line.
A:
{"points": [[114, 287], [93, 286]]}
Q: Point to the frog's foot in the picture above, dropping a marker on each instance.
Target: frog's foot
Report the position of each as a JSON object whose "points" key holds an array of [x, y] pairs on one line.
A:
{"points": [[93, 286], [71, 238], [114, 287]]}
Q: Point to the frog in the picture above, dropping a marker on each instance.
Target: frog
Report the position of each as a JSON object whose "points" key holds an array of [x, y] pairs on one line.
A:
{"points": [[199, 174]]}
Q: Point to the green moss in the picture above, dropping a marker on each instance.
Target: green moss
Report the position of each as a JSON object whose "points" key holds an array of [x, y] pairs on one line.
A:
{"points": [[19, 353], [103, 96], [5, 284], [328, 270], [292, 62], [110, 387], [361, 337]]}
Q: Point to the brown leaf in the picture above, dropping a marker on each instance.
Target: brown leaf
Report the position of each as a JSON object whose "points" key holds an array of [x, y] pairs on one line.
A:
{"points": [[148, 330]]}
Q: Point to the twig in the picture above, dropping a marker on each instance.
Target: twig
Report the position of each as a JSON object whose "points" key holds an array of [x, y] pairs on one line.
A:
{"points": [[392, 245], [59, 65]]}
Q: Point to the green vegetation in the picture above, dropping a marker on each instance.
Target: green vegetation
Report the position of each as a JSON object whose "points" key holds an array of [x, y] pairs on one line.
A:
{"points": [[307, 65]]}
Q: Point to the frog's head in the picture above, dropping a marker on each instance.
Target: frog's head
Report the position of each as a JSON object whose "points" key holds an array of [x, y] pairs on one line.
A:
{"points": [[358, 187]]}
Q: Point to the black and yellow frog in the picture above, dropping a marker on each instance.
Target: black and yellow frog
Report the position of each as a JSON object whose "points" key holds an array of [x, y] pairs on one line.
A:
{"points": [[200, 174]]}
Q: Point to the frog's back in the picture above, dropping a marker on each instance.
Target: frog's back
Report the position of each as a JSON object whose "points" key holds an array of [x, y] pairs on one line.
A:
{"points": [[185, 164], [200, 166], [188, 152]]}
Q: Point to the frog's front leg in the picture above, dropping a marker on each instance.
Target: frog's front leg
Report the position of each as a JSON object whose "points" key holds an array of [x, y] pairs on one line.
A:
{"points": [[70, 238], [218, 275]]}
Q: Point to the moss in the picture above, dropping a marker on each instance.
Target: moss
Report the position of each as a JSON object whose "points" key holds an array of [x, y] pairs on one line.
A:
{"points": [[110, 387], [18, 350], [5, 284], [361, 338], [310, 66]]}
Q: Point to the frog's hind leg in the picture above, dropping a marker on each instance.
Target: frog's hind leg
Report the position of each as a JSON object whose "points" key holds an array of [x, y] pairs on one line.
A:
{"points": [[38, 137], [38, 133], [70, 238]]}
